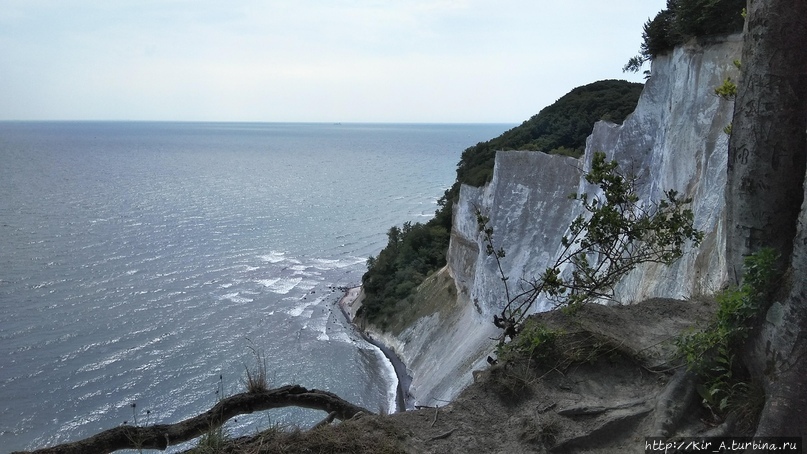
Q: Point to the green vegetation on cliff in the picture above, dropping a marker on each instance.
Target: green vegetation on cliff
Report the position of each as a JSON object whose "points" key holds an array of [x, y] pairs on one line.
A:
{"points": [[685, 19], [412, 253], [417, 250], [561, 128]]}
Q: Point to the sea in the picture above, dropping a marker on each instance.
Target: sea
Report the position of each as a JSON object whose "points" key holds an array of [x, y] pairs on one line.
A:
{"points": [[144, 267]]}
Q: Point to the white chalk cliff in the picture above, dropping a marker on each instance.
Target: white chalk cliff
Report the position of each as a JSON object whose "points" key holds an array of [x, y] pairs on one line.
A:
{"points": [[673, 140]]}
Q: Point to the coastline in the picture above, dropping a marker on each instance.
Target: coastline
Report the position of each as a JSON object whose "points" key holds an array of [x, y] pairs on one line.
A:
{"points": [[346, 305]]}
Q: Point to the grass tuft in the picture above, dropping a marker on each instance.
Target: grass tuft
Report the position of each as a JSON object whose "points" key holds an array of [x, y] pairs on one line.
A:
{"points": [[255, 379], [213, 441]]}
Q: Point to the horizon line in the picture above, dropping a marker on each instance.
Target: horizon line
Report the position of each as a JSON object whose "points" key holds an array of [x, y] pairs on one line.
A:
{"points": [[335, 123]]}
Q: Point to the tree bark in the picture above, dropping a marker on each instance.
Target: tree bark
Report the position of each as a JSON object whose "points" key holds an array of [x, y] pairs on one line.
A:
{"points": [[779, 351], [160, 436], [768, 145], [764, 195]]}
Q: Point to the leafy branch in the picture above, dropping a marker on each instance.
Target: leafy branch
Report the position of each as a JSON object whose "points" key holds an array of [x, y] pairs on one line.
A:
{"points": [[615, 233]]}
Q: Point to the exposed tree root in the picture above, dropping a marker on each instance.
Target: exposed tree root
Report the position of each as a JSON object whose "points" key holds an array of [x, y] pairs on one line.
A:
{"points": [[673, 402], [161, 436]]}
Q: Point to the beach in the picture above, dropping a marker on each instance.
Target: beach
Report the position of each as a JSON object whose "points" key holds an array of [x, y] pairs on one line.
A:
{"points": [[350, 304]]}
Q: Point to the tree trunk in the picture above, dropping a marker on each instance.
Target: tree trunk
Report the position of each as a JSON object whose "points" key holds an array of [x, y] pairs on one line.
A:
{"points": [[764, 195], [767, 153], [779, 352]]}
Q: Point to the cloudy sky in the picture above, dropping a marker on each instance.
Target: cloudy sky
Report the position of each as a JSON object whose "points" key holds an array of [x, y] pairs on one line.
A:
{"points": [[308, 60]]}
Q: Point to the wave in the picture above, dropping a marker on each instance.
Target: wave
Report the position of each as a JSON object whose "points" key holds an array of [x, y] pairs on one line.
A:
{"points": [[235, 298], [390, 377], [267, 282], [284, 285], [273, 257], [299, 309]]}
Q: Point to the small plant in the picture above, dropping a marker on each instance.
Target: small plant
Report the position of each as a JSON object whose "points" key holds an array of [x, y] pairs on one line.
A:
{"points": [[535, 341], [514, 383], [135, 439], [711, 353], [537, 432], [748, 402], [760, 272], [716, 391], [728, 90], [255, 379], [220, 388], [213, 441], [727, 129]]}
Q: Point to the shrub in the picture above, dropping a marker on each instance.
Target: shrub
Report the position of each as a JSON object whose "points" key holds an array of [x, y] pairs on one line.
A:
{"points": [[708, 17], [616, 233], [535, 341], [727, 90], [660, 35], [712, 353]]}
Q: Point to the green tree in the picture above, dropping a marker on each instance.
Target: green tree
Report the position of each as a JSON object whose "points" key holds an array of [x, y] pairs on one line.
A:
{"points": [[708, 17], [685, 19]]}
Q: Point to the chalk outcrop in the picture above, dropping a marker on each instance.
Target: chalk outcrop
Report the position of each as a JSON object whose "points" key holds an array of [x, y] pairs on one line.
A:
{"points": [[674, 140]]}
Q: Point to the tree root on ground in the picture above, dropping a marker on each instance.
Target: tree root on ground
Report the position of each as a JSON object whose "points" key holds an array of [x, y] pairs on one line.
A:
{"points": [[673, 402]]}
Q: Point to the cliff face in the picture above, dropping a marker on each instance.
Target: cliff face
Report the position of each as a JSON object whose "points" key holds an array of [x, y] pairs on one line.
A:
{"points": [[674, 140]]}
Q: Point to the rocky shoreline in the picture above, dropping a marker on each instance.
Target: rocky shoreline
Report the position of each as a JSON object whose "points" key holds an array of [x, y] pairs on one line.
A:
{"points": [[349, 304]]}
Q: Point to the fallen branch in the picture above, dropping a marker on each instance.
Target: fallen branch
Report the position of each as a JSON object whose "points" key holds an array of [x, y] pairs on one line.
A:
{"points": [[160, 436]]}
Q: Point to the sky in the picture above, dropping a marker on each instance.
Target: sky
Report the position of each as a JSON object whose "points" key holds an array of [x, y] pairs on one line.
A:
{"points": [[411, 61]]}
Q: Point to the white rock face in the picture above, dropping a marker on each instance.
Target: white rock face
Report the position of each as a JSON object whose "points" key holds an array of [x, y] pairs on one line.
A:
{"points": [[674, 140], [529, 209]]}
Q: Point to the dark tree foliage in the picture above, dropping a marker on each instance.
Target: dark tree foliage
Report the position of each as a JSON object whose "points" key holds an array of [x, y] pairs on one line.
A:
{"points": [[560, 128], [417, 250], [684, 19], [412, 253], [659, 35], [708, 17]]}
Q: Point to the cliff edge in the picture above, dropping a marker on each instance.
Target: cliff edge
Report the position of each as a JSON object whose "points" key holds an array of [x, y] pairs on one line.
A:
{"points": [[673, 140]]}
